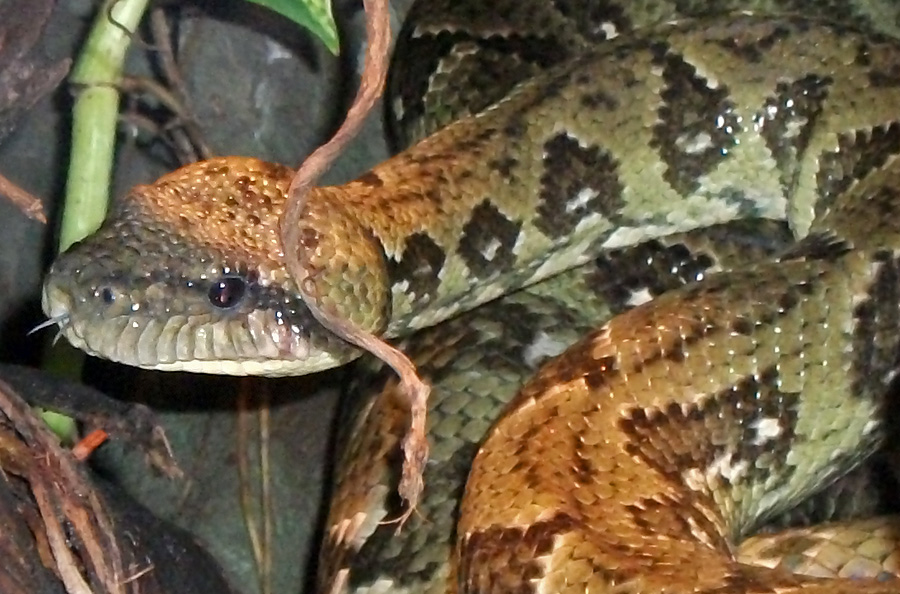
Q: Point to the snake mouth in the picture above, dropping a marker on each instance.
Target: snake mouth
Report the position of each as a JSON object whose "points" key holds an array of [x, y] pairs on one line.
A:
{"points": [[256, 343]]}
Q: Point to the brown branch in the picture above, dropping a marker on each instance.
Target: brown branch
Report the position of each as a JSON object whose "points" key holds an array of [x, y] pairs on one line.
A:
{"points": [[65, 497], [378, 33], [181, 133], [415, 445], [162, 36], [28, 203]]}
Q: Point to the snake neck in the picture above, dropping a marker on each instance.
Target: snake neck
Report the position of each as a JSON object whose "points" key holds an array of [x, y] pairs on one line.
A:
{"points": [[646, 138]]}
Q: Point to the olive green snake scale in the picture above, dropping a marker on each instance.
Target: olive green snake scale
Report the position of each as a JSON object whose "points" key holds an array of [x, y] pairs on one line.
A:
{"points": [[646, 371]]}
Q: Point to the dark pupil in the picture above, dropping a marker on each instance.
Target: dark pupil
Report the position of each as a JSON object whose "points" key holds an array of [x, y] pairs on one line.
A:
{"points": [[227, 292], [106, 294]]}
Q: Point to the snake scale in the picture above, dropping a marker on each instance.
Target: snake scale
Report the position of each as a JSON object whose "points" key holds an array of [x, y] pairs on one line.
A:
{"points": [[741, 376]]}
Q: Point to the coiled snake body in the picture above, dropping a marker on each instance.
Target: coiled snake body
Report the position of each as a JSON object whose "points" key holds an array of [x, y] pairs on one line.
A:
{"points": [[635, 460]]}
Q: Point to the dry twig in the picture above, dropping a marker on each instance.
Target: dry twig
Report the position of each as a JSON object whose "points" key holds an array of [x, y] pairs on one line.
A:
{"points": [[28, 203], [415, 446]]}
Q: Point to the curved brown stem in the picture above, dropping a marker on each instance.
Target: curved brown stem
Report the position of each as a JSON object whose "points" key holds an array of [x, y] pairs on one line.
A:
{"points": [[415, 446]]}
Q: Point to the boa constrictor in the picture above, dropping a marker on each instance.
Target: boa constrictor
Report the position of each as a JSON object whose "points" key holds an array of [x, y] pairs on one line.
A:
{"points": [[633, 461]]}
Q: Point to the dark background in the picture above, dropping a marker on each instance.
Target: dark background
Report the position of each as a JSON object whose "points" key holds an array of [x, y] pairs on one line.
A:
{"points": [[260, 86]]}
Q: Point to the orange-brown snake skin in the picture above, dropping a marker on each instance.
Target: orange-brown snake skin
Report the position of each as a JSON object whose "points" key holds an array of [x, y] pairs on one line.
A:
{"points": [[740, 376]]}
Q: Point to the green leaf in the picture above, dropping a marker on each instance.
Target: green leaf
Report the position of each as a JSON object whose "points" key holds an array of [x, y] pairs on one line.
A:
{"points": [[315, 15], [64, 427]]}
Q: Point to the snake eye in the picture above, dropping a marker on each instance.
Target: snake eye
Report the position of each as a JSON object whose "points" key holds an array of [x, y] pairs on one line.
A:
{"points": [[227, 292], [106, 295]]}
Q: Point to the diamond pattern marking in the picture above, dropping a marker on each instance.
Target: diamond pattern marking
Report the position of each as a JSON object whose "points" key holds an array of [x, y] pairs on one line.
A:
{"points": [[697, 125], [737, 443], [487, 241], [577, 181], [787, 120], [418, 266]]}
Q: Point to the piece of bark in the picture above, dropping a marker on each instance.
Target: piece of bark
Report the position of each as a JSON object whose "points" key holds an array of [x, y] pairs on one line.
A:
{"points": [[67, 531]]}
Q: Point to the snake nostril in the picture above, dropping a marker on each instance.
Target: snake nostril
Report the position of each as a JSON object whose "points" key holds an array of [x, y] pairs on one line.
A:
{"points": [[227, 292]]}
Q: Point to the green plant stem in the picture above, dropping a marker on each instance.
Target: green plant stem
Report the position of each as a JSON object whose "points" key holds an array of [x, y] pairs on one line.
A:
{"points": [[96, 77]]}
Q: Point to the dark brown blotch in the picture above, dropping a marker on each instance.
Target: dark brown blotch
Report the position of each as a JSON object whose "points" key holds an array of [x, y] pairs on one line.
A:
{"points": [[599, 372], [732, 427], [494, 557], [504, 165], [788, 118], [487, 241], [697, 124], [597, 99], [371, 179], [515, 128], [217, 167], [652, 267], [577, 181], [418, 266], [743, 326]]}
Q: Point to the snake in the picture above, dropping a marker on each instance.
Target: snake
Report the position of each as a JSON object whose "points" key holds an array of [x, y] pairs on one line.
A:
{"points": [[629, 454]]}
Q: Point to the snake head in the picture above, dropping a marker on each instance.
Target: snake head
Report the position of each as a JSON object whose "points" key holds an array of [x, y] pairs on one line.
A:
{"points": [[188, 274]]}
